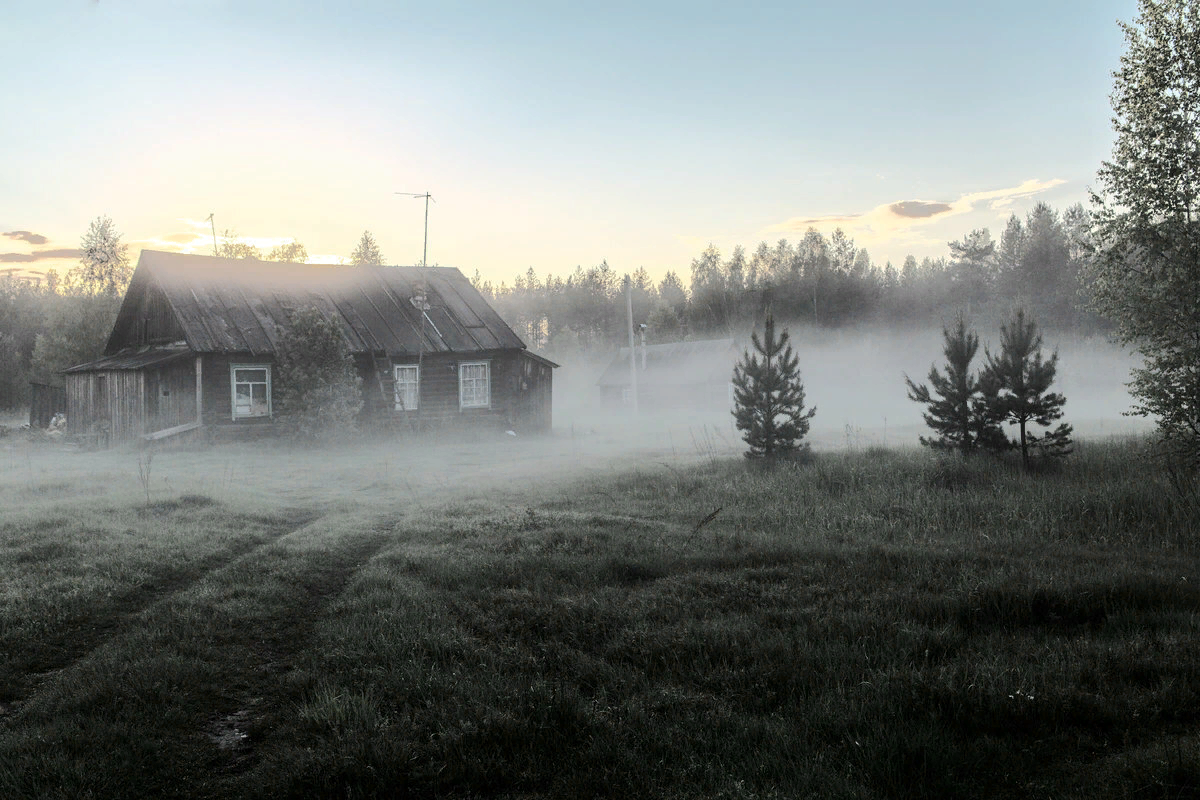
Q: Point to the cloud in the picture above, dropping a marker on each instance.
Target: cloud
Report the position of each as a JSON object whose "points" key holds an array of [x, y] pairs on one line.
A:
{"points": [[181, 238], [195, 223], [903, 216], [39, 255], [1003, 198], [184, 242], [918, 209], [26, 236]]}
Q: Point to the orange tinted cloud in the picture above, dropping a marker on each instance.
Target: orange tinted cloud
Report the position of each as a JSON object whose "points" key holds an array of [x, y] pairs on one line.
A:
{"points": [[39, 255], [27, 236], [903, 216]]}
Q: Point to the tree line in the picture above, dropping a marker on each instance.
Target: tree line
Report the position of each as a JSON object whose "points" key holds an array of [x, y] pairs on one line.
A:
{"points": [[1139, 257], [825, 281], [64, 320], [1132, 260]]}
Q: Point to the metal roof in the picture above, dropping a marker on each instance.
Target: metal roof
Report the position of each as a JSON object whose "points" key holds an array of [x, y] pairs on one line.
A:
{"points": [[675, 364], [241, 306], [136, 360]]}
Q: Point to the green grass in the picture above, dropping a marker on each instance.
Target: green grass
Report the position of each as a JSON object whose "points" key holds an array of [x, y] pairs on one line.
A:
{"points": [[879, 624]]}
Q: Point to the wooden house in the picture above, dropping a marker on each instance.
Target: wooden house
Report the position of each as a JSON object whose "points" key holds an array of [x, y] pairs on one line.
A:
{"points": [[195, 340], [696, 375]]}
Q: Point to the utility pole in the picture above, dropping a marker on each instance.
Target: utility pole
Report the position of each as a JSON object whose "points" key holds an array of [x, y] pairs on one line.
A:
{"points": [[214, 230], [632, 356], [428, 197], [642, 331]]}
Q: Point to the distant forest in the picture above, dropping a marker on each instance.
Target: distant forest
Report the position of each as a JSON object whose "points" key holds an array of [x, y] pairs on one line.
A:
{"points": [[822, 281]]}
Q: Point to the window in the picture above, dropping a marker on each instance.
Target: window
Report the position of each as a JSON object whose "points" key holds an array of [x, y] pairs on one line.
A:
{"points": [[251, 385], [474, 385], [408, 386]]}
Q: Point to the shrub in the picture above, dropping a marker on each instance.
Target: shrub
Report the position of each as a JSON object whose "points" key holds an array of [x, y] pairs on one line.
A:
{"points": [[319, 392]]}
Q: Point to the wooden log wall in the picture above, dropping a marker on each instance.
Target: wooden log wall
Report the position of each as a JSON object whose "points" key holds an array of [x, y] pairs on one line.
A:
{"points": [[217, 387]]}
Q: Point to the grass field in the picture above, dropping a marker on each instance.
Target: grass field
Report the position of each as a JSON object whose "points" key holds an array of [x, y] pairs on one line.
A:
{"points": [[263, 622]]}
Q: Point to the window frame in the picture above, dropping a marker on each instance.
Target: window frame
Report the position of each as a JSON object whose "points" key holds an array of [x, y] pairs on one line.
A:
{"points": [[233, 384], [462, 371], [415, 382]]}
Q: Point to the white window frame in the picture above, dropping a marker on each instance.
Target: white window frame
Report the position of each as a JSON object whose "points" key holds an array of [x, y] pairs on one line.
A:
{"points": [[462, 378], [233, 384], [400, 386]]}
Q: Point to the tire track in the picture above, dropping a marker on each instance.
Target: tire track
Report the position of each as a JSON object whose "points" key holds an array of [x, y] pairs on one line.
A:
{"points": [[24, 671], [202, 672]]}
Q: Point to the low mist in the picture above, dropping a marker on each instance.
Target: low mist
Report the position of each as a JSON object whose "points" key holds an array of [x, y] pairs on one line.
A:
{"points": [[855, 378]]}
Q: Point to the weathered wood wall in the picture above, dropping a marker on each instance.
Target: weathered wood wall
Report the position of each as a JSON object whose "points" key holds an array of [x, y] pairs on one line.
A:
{"points": [[533, 389], [170, 397], [217, 388], [153, 322], [45, 401], [520, 391], [106, 403]]}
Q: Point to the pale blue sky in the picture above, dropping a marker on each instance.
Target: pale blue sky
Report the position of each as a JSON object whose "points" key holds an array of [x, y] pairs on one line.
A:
{"points": [[550, 134]]}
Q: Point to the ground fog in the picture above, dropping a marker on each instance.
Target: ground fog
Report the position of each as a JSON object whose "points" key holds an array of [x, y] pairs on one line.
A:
{"points": [[855, 378]]}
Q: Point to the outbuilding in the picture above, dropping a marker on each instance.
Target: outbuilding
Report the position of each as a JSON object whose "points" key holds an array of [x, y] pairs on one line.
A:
{"points": [[694, 374], [194, 346]]}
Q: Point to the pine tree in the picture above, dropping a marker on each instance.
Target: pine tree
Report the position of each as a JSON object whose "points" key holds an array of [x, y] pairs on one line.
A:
{"points": [[769, 396], [958, 408], [1017, 383], [366, 253]]}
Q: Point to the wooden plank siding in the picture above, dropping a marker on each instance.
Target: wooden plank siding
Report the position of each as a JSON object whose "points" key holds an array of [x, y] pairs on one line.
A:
{"points": [[534, 394], [45, 402], [122, 404], [170, 395], [106, 403], [150, 321]]}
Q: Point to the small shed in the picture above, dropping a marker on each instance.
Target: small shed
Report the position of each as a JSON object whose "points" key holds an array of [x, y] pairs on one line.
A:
{"points": [[45, 400], [676, 375], [195, 340]]}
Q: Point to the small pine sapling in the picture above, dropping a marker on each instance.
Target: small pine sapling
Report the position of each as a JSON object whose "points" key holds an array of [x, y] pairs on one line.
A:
{"points": [[1018, 381], [769, 397], [957, 406]]}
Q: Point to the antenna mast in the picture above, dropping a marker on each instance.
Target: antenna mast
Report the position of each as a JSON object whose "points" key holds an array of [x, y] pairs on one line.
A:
{"points": [[214, 230], [428, 197]]}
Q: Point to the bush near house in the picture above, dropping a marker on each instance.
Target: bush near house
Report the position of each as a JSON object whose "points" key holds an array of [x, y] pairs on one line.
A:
{"points": [[319, 391]]}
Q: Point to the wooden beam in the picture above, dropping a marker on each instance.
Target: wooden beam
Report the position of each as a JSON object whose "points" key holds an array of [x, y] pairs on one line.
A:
{"points": [[165, 432]]}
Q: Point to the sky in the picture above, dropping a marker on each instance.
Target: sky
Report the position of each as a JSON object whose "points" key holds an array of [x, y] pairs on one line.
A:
{"points": [[549, 134]]}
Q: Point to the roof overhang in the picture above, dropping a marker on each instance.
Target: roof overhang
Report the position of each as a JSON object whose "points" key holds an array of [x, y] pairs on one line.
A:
{"points": [[140, 359]]}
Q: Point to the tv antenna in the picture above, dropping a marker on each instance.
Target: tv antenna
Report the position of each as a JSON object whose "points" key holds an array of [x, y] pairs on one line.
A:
{"points": [[209, 219], [428, 197]]}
